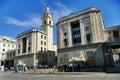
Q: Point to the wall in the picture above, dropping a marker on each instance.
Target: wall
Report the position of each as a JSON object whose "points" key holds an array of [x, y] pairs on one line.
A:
{"points": [[80, 53]]}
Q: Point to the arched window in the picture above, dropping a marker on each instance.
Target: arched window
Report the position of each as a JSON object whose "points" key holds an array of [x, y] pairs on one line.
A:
{"points": [[45, 22], [49, 22]]}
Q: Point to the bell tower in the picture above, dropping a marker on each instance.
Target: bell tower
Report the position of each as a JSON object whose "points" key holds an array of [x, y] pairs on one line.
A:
{"points": [[47, 27]]}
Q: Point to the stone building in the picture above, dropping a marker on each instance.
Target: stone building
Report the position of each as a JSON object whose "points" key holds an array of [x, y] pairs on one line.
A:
{"points": [[82, 38], [6, 44], [112, 35], [35, 47], [10, 56]]}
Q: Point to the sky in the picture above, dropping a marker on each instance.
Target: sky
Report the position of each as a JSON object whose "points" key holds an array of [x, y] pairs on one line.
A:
{"points": [[17, 16]]}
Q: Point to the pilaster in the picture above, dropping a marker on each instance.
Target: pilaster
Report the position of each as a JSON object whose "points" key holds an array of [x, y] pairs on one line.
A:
{"points": [[112, 37], [93, 27], [69, 35], [83, 40]]}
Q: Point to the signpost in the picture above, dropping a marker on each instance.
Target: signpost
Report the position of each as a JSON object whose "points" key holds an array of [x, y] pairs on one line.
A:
{"points": [[107, 54]]}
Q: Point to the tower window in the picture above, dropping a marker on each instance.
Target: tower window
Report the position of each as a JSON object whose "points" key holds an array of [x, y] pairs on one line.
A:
{"points": [[49, 22], [65, 34], [45, 22]]}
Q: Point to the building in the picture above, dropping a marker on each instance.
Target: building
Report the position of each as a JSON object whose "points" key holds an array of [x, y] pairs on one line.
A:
{"points": [[35, 47], [113, 38], [10, 56], [82, 39], [6, 44]]}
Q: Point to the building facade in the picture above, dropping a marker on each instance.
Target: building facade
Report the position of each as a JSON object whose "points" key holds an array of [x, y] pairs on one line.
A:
{"points": [[81, 36], [112, 35], [35, 47], [6, 44]]}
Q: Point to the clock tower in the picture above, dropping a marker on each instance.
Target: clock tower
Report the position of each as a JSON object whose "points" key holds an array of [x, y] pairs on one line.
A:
{"points": [[47, 27]]}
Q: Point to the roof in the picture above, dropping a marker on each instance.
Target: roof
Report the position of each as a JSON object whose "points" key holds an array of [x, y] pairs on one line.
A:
{"points": [[30, 31], [87, 10], [113, 28], [7, 38]]}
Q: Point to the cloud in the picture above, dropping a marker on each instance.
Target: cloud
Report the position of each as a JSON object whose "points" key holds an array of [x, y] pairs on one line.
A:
{"points": [[34, 20], [61, 11], [29, 21]]}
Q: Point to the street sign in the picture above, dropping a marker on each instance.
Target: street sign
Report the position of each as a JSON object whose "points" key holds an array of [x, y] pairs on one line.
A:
{"points": [[106, 54]]}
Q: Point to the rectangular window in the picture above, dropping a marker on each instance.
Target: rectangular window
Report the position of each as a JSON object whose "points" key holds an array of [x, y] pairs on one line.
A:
{"points": [[116, 34], [44, 37], [88, 38], [18, 51], [19, 46], [24, 41], [41, 42], [10, 54], [41, 49], [8, 45], [41, 36], [29, 43], [13, 53], [45, 49], [76, 34], [7, 55], [65, 42], [87, 29], [3, 50], [4, 45], [12, 45], [29, 49], [44, 43]]}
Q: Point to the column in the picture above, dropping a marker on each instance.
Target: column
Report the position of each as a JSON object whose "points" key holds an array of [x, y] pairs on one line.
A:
{"points": [[60, 36], [69, 35], [27, 45], [83, 40], [111, 57], [93, 27], [112, 36], [20, 46]]}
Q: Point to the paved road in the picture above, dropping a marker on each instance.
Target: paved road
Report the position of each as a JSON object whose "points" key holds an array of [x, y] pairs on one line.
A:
{"points": [[14, 76]]}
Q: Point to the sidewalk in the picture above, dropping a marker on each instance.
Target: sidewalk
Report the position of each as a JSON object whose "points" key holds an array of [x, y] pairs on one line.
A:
{"points": [[54, 71]]}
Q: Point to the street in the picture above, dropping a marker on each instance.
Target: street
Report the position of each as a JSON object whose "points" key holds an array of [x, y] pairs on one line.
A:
{"points": [[17, 76]]}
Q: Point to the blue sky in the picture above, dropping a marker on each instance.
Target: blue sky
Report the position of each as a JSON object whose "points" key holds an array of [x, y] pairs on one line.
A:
{"points": [[17, 16]]}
